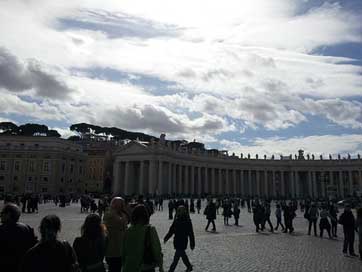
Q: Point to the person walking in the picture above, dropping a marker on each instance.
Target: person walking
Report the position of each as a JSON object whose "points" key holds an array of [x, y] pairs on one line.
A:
{"points": [[115, 220], [182, 230], [278, 215], [324, 223], [210, 212], [198, 205], [348, 222], [359, 231], [236, 213], [141, 248], [90, 247], [267, 212], [289, 215], [15, 238], [312, 216], [333, 210], [50, 254]]}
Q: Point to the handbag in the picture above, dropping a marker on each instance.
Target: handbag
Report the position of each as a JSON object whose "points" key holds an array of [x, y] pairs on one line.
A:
{"points": [[148, 256]]}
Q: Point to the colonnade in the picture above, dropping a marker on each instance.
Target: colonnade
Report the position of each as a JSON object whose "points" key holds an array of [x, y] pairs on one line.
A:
{"points": [[169, 177]]}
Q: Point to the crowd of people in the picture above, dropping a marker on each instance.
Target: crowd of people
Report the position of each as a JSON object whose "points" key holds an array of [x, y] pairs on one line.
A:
{"points": [[117, 233]]}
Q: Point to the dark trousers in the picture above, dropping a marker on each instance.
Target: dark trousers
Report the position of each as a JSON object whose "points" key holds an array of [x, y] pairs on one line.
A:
{"points": [[348, 241], [288, 224], [279, 222], [314, 222], [236, 221], [180, 254], [334, 228], [114, 264], [170, 214], [208, 224], [267, 220]]}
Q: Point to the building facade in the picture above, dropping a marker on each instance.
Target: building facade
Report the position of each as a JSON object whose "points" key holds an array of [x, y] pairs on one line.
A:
{"points": [[158, 168], [44, 165]]}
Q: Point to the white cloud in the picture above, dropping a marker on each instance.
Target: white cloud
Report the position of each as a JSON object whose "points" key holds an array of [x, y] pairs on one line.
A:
{"points": [[318, 145]]}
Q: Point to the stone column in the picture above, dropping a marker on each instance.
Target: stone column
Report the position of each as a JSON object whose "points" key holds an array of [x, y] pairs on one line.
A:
{"points": [[315, 191], [151, 177], [126, 179], [227, 182], [174, 178], [213, 182], [249, 183], [350, 182], [297, 184], [192, 179], [282, 186], [323, 183], [116, 178], [257, 177], [187, 189], [266, 185], [310, 184], [207, 189], [331, 181], [141, 185], [360, 181], [180, 179], [341, 184], [169, 182], [274, 184], [219, 180], [199, 188], [242, 185], [160, 178], [235, 189]]}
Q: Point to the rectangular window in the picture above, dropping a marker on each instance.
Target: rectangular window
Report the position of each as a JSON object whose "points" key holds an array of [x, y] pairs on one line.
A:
{"points": [[46, 166], [15, 178], [45, 179], [2, 165], [30, 179], [71, 168], [2, 189], [63, 167], [17, 166], [2, 178], [44, 190], [62, 180]]}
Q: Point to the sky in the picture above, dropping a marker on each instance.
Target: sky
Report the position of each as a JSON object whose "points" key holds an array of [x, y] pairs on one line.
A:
{"points": [[252, 76]]}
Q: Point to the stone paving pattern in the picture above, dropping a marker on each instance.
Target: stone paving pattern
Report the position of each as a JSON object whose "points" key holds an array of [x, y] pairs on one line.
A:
{"points": [[232, 248]]}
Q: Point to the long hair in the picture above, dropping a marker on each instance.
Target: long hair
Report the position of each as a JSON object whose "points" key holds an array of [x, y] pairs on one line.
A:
{"points": [[92, 227]]}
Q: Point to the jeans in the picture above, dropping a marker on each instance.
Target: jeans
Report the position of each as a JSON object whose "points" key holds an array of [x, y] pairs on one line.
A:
{"points": [[114, 264], [279, 222], [180, 254]]}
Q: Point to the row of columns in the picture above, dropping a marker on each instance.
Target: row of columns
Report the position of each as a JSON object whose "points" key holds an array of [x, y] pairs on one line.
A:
{"points": [[165, 177]]}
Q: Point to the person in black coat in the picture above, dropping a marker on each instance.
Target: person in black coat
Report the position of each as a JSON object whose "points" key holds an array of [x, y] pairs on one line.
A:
{"points": [[210, 212], [289, 215], [171, 206], [236, 213], [15, 238], [349, 224], [182, 230]]}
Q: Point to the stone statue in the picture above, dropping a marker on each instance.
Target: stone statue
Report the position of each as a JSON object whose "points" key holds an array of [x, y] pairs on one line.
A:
{"points": [[339, 156], [264, 157], [241, 155], [330, 156], [349, 156], [281, 157], [308, 156], [272, 157], [295, 157], [256, 156], [249, 156], [321, 157], [313, 157], [358, 156]]}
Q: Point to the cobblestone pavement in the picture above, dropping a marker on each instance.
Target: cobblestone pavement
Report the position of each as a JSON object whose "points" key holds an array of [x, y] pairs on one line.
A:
{"points": [[232, 248]]}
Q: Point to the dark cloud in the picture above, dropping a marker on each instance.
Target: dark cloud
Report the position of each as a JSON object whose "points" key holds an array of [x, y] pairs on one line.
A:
{"points": [[18, 77], [118, 25]]}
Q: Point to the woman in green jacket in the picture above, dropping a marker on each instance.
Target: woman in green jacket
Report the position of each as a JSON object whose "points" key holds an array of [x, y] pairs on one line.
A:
{"points": [[141, 248]]}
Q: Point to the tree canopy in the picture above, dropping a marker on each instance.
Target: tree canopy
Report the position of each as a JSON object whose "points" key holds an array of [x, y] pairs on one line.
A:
{"points": [[9, 128]]}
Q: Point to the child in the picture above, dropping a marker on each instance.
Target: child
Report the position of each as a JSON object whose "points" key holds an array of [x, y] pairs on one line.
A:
{"points": [[182, 229]]}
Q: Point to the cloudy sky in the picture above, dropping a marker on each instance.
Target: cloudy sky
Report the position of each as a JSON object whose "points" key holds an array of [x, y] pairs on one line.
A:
{"points": [[251, 76]]}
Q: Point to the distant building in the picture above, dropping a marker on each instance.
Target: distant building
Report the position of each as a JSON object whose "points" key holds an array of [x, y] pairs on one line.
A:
{"points": [[155, 168], [44, 165]]}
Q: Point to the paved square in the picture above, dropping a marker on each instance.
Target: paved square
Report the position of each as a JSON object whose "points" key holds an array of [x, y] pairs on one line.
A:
{"points": [[232, 248]]}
